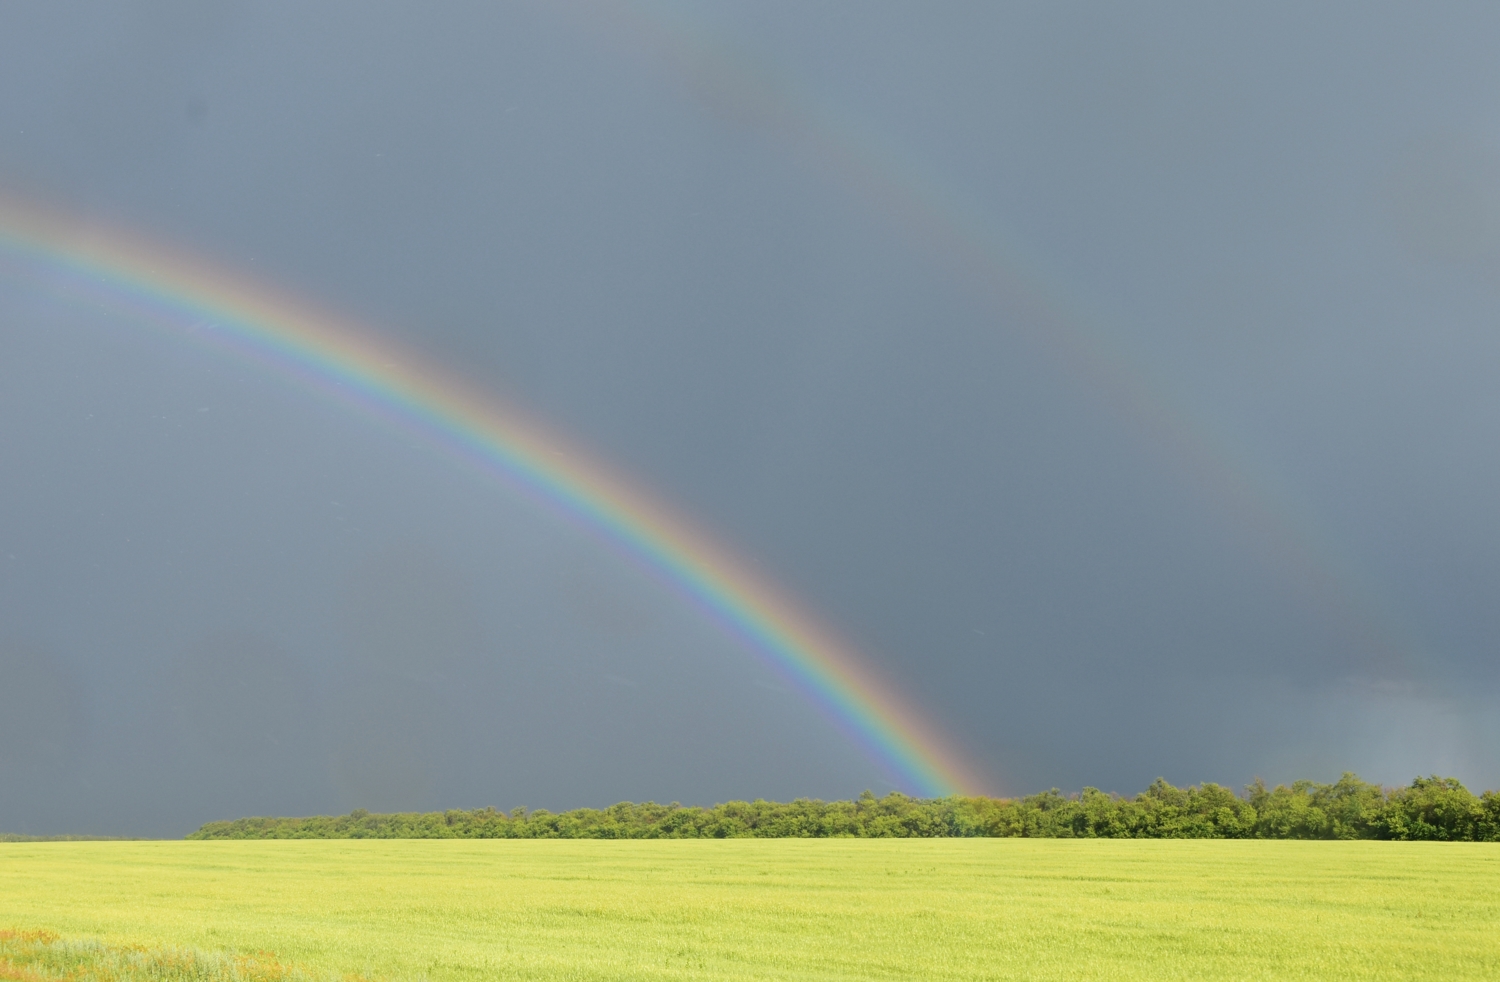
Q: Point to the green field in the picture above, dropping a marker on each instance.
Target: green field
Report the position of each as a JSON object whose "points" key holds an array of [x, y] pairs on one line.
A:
{"points": [[786, 908]]}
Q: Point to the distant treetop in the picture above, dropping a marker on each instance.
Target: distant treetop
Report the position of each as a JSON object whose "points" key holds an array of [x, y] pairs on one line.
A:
{"points": [[1431, 808]]}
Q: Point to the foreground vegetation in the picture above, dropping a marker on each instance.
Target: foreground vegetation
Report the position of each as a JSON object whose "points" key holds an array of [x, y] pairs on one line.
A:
{"points": [[40, 956], [1432, 808], [933, 909]]}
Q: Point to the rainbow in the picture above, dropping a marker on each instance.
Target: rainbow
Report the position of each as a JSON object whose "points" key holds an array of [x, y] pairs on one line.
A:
{"points": [[943, 223], [336, 357]]}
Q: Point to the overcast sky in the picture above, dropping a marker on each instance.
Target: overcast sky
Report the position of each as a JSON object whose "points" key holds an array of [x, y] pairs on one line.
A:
{"points": [[1120, 379]]}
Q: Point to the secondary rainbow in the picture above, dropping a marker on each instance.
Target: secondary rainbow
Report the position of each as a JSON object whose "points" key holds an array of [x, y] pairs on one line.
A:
{"points": [[946, 224], [352, 363]]}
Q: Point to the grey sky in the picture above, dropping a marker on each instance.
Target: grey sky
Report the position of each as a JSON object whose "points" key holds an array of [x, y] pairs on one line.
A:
{"points": [[785, 264]]}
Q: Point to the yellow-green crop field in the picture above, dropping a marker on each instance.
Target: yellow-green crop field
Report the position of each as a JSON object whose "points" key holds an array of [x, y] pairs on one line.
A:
{"points": [[784, 908]]}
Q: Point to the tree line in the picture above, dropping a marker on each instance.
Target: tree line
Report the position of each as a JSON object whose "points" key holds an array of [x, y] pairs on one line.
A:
{"points": [[1430, 808]]}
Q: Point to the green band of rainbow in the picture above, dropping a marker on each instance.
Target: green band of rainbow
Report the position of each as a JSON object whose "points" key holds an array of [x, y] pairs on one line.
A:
{"points": [[331, 354]]}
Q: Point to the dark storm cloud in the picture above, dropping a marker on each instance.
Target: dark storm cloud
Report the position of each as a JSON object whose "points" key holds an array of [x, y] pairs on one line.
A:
{"points": [[409, 610], [248, 718], [685, 234], [42, 714], [1445, 200]]}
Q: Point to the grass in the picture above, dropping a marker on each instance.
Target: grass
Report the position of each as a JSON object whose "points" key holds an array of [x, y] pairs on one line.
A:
{"points": [[42, 956], [784, 909]]}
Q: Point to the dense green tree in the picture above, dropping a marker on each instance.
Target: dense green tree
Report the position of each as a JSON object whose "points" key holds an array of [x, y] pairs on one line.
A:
{"points": [[1430, 808], [1433, 808]]}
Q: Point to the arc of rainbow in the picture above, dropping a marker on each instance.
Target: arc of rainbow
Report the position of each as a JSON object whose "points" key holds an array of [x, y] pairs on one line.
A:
{"points": [[324, 351], [739, 89]]}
